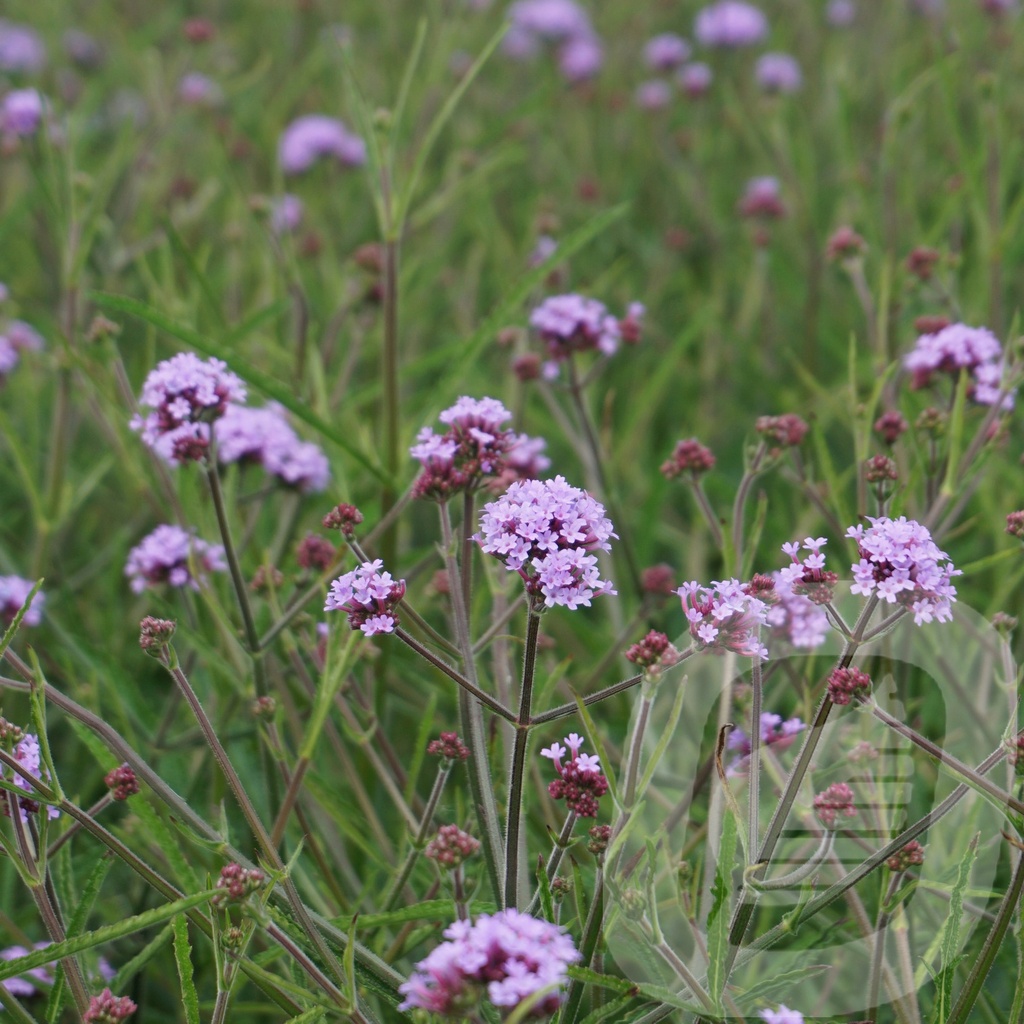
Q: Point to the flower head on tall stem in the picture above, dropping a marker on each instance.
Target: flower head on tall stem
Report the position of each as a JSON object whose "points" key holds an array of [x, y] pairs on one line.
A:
{"points": [[781, 432], [808, 577], [690, 457], [724, 617], [574, 323], [783, 1015], [833, 803], [369, 597], [901, 564], [312, 136], [173, 556], [26, 752], [14, 592], [794, 618], [912, 855], [580, 782], [451, 846], [666, 52], [106, 1008], [730, 24]]}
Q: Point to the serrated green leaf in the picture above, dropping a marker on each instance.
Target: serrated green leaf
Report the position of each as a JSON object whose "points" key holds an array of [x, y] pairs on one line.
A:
{"points": [[718, 918], [589, 977], [183, 958]]}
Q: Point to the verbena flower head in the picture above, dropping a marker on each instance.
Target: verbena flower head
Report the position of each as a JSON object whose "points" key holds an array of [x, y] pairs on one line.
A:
{"points": [[912, 855], [544, 529], [834, 803], [724, 617], [808, 577], [653, 95], [666, 52], [185, 394], [27, 753], [451, 846], [574, 323], [551, 20], [21, 50], [690, 457], [21, 110], [695, 79], [778, 72], [840, 13], [730, 24], [199, 90], [762, 198], [264, 436], [286, 214], [313, 136], [172, 556], [783, 1015], [901, 564], [369, 598], [504, 957], [775, 733], [957, 347], [32, 981], [106, 1008], [580, 782], [794, 618], [847, 684], [14, 590]]}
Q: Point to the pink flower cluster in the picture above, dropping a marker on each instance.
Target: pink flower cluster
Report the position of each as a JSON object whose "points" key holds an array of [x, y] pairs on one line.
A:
{"points": [[573, 323], [834, 802], [794, 618], [451, 846], [580, 782], [778, 73], [562, 23], [544, 529], [26, 753], [313, 136], [17, 337], [173, 556], [504, 957], [724, 617], [21, 49], [21, 110], [106, 1008], [20, 985], [368, 596], [265, 437], [958, 347], [808, 577], [730, 24], [13, 592], [476, 447], [900, 563], [783, 1015], [186, 394]]}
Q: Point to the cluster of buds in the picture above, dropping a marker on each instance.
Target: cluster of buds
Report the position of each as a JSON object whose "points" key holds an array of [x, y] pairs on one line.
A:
{"points": [[449, 747], [1015, 524], [343, 517], [122, 782], [690, 457], [808, 577], [580, 782], [265, 578], [780, 432], [845, 245], [451, 846], [575, 323], [106, 1008], [653, 654], [369, 597], [10, 734], [834, 802], [921, 262], [890, 425], [658, 580], [881, 472], [762, 199], [237, 883], [316, 553], [912, 855], [600, 837], [155, 634], [847, 684]]}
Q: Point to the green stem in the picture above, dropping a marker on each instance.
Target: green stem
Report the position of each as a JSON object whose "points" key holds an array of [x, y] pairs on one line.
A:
{"points": [[555, 857], [515, 788], [389, 371], [754, 766], [878, 953]]}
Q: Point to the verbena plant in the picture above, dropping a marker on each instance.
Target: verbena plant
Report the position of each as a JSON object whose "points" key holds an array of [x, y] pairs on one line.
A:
{"points": [[545, 546]]}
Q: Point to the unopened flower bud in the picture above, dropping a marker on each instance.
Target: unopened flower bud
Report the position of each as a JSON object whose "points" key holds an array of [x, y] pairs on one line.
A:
{"points": [[106, 1008], [343, 517], [835, 801], [122, 782], [316, 553], [1015, 524], [451, 846], [237, 883], [890, 425], [690, 456], [1004, 623], [658, 580], [264, 707], [155, 634], [600, 836], [921, 262], [264, 579], [560, 887], [449, 747], [845, 244], [846, 684], [931, 324], [527, 366], [634, 904], [911, 855]]}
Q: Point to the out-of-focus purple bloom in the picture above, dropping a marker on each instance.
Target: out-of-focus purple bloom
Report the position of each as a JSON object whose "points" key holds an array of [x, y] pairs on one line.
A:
{"points": [[520, 44], [369, 597], [695, 79], [724, 617], [13, 592], [173, 556], [21, 50], [959, 347], [666, 52], [778, 72], [544, 529], [83, 49], [653, 95], [21, 986], [730, 23], [574, 323], [840, 13], [783, 1015], [8, 356], [264, 436], [17, 337], [551, 20], [199, 90], [21, 110], [580, 58], [27, 754], [544, 249], [186, 394], [286, 214], [775, 733], [999, 8], [762, 198], [900, 564], [506, 957], [313, 136], [794, 618]]}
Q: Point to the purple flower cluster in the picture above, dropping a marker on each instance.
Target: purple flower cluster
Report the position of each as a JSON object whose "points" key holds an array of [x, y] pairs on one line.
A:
{"points": [[264, 436], [835, 801], [13, 592], [666, 52], [21, 110], [185, 394], [724, 617], [562, 23], [544, 529], [580, 782], [506, 957], [173, 556], [20, 985], [313, 136], [808, 577], [794, 618], [17, 337], [26, 753], [574, 323], [778, 73], [900, 563], [21, 50], [775, 733], [762, 198], [476, 447], [783, 1015], [730, 24], [368, 596], [958, 347], [286, 214]]}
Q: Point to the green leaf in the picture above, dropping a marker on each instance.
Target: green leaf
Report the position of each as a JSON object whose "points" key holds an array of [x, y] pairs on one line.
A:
{"points": [[718, 918], [670, 998], [183, 958], [777, 984], [137, 962], [432, 910], [668, 731], [589, 977], [610, 1011]]}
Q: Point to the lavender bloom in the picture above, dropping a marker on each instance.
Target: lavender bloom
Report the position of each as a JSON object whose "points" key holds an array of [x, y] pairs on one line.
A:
{"points": [[783, 1015], [173, 556], [778, 72], [573, 323], [959, 347], [730, 23], [26, 753], [695, 79], [24, 337], [265, 437], [186, 394], [20, 985], [899, 563], [21, 49], [794, 618], [580, 58], [552, 20], [286, 214], [20, 112], [653, 95], [666, 52], [13, 592], [8, 356], [544, 530], [312, 136], [199, 90], [369, 597], [762, 198], [507, 957], [724, 617], [85, 50], [520, 44], [840, 13]]}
